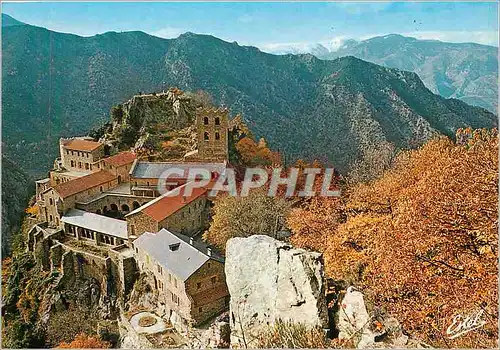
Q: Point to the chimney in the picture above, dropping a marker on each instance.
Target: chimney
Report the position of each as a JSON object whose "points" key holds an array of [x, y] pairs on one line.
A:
{"points": [[174, 247], [209, 251], [191, 240]]}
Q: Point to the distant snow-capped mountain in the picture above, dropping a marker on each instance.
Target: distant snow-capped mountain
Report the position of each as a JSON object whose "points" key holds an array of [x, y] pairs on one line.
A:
{"points": [[466, 71]]}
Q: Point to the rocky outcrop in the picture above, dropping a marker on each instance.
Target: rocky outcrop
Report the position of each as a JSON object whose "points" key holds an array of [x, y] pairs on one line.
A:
{"points": [[217, 335], [364, 330], [353, 319], [129, 338], [138, 122], [16, 190], [143, 295], [269, 280]]}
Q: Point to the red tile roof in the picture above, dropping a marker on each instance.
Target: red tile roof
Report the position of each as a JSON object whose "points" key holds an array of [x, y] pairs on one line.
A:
{"points": [[120, 159], [81, 145], [83, 183], [168, 205]]}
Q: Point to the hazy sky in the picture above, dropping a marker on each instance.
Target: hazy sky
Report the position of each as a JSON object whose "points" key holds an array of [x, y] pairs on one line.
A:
{"points": [[271, 26]]}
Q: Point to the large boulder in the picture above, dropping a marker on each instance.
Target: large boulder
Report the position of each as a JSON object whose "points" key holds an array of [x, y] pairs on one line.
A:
{"points": [[269, 280], [353, 319], [369, 330]]}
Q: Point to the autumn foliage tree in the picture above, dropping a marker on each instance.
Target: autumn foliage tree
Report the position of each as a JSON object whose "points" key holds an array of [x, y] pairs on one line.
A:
{"points": [[256, 153], [375, 160], [239, 216], [32, 210], [84, 341], [421, 241]]}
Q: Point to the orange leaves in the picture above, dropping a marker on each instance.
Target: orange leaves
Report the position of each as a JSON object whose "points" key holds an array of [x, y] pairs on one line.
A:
{"points": [[254, 153], [33, 210], [420, 237], [314, 224], [247, 148], [6, 263], [84, 341], [167, 144]]}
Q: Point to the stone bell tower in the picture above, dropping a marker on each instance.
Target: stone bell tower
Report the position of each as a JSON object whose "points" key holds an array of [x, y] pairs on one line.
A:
{"points": [[212, 133]]}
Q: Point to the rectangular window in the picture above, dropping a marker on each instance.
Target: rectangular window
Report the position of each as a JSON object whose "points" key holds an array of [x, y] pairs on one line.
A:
{"points": [[175, 299], [198, 285], [175, 282], [213, 279], [200, 309]]}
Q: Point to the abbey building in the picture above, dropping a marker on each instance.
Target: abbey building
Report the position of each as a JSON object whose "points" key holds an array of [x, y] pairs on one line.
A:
{"points": [[110, 207]]}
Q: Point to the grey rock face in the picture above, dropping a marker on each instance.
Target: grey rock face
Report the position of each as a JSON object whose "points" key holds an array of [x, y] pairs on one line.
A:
{"points": [[376, 331], [216, 336], [269, 280], [354, 320]]}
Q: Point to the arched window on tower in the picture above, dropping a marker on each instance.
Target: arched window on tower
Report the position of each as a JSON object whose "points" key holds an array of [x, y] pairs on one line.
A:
{"points": [[206, 136], [205, 120], [217, 136], [217, 121]]}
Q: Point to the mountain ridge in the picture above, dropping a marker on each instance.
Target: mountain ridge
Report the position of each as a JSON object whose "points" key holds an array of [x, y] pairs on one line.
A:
{"points": [[87, 75], [60, 85], [8, 21], [466, 71]]}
